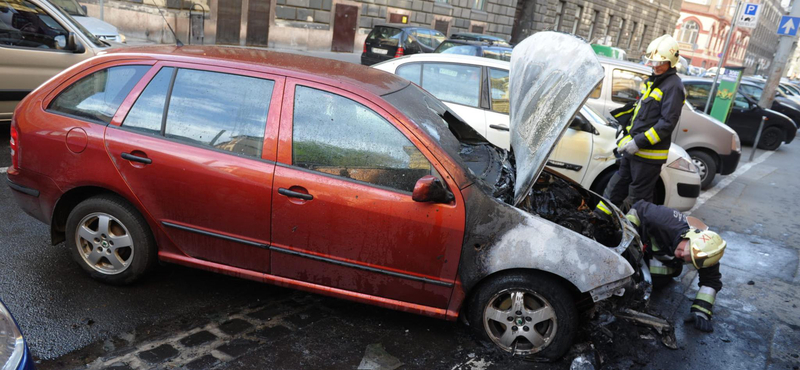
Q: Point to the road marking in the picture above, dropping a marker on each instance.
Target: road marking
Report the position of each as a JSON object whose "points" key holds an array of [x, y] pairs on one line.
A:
{"points": [[728, 180], [3, 169]]}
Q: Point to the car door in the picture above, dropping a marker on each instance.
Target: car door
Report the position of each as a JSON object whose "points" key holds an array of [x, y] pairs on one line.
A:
{"points": [[572, 154], [33, 46], [745, 117], [197, 150], [497, 120], [343, 216]]}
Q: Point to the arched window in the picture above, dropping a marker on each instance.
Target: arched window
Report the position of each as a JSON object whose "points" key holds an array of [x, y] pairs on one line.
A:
{"points": [[689, 32]]}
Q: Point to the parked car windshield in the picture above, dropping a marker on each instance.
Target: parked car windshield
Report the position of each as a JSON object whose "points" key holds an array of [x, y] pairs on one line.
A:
{"points": [[385, 35], [71, 7], [84, 31]]}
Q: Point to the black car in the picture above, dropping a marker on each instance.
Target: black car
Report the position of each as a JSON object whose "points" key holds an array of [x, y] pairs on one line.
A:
{"points": [[781, 103], [745, 116], [389, 41], [475, 48], [468, 36]]}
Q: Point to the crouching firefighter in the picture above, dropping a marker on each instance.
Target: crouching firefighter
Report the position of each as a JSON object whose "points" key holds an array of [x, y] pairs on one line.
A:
{"points": [[671, 239], [648, 126]]}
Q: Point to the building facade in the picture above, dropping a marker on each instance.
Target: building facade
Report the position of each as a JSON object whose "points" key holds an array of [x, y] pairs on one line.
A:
{"points": [[339, 25], [627, 24], [702, 29], [764, 39]]}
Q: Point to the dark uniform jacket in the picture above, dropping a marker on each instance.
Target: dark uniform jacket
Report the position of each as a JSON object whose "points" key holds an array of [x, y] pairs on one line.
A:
{"points": [[650, 121], [661, 229]]}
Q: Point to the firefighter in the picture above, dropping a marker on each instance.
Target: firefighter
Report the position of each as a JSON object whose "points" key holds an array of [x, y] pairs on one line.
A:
{"points": [[648, 125], [671, 239]]}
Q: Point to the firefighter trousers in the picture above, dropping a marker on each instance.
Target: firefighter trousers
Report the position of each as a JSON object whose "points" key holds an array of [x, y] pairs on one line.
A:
{"points": [[637, 177]]}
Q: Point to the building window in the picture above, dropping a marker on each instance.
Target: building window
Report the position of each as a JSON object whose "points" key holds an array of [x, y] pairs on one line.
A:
{"points": [[644, 35], [608, 27], [477, 4], [633, 34], [621, 31], [398, 18], [703, 2], [441, 26], [559, 14], [578, 18], [476, 29], [593, 25]]}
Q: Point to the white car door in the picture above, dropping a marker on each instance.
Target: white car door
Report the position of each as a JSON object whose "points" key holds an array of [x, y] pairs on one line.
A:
{"points": [[497, 114], [572, 156]]}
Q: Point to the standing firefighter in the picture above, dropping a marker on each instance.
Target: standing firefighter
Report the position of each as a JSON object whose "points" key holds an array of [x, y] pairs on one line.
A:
{"points": [[648, 126], [672, 239]]}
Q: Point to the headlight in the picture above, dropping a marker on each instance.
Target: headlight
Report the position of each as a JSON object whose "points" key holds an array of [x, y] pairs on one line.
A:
{"points": [[121, 38], [12, 346], [683, 165], [736, 144]]}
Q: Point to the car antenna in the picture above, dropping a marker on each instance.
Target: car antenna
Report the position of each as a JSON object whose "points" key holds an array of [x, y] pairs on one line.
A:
{"points": [[177, 41]]}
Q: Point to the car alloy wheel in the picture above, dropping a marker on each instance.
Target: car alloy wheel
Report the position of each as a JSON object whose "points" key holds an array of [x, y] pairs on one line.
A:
{"points": [[519, 321], [104, 243], [702, 170]]}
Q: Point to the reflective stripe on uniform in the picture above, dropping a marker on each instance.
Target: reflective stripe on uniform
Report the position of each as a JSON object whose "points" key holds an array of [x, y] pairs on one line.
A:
{"points": [[657, 94], [653, 154], [602, 206], [701, 309], [652, 136], [705, 297], [661, 270], [624, 141], [623, 113]]}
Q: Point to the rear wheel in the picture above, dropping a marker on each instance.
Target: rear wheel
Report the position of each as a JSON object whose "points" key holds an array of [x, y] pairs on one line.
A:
{"points": [[528, 315], [110, 240], [771, 138], [706, 167]]}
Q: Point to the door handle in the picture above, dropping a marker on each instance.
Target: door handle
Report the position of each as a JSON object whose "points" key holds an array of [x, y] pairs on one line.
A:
{"points": [[134, 158], [499, 127], [294, 194]]}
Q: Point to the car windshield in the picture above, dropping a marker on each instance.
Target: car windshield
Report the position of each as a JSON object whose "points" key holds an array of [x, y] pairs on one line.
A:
{"points": [[71, 7], [84, 31], [594, 117], [497, 53], [449, 47], [385, 35]]}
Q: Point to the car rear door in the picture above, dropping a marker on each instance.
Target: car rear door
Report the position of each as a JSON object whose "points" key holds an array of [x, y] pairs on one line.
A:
{"points": [[343, 216], [197, 149], [497, 115]]}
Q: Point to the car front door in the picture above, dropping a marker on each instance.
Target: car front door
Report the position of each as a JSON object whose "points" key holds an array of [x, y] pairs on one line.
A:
{"points": [[197, 150], [497, 115], [573, 153], [745, 117], [343, 216]]}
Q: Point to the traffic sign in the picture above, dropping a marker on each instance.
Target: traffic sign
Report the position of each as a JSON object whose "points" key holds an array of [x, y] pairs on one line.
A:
{"points": [[749, 16], [788, 26]]}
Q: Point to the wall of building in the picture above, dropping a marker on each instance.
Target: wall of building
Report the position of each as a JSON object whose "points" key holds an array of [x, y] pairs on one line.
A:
{"points": [[140, 20], [764, 39], [702, 30], [627, 24]]}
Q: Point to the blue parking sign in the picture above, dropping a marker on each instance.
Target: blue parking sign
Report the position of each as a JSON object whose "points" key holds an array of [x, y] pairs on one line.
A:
{"points": [[750, 9], [788, 26]]}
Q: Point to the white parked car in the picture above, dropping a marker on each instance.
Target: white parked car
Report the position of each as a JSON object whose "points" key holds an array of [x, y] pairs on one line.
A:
{"points": [[477, 90], [102, 30]]}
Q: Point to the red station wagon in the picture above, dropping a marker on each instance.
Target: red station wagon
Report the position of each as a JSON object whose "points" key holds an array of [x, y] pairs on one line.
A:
{"points": [[314, 174]]}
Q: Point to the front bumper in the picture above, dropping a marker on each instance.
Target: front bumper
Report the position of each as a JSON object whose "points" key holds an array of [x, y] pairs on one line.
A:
{"points": [[790, 136], [728, 163]]}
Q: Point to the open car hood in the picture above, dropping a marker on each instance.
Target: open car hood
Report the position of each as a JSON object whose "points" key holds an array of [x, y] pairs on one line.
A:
{"points": [[551, 76]]}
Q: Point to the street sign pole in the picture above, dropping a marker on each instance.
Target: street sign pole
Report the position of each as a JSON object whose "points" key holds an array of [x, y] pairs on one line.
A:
{"points": [[787, 29], [724, 55]]}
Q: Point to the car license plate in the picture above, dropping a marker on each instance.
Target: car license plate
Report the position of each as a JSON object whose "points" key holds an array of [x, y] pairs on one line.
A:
{"points": [[380, 51]]}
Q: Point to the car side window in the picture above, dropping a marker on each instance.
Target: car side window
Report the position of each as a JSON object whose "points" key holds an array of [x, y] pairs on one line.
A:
{"points": [[25, 24], [498, 83], [626, 86], [338, 136], [424, 37], [697, 95], [437, 38], [740, 102], [456, 83], [98, 96], [147, 113], [751, 90], [411, 72], [597, 90], [219, 110]]}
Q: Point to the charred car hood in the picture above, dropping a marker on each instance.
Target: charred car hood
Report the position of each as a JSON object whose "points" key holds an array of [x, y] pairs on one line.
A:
{"points": [[551, 76]]}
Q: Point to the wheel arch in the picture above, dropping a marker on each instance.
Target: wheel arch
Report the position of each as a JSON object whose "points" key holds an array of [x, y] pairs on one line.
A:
{"points": [[708, 151], [69, 200], [610, 169]]}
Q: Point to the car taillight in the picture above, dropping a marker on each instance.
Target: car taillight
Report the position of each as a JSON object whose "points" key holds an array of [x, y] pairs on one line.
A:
{"points": [[399, 52], [14, 146], [365, 47]]}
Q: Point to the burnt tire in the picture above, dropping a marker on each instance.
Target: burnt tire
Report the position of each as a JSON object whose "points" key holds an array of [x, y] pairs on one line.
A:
{"points": [[771, 138], [543, 316], [706, 167], [600, 184], [110, 240]]}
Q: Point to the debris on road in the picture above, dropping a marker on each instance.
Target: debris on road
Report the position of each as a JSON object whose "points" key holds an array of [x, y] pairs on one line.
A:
{"points": [[376, 358], [663, 327]]}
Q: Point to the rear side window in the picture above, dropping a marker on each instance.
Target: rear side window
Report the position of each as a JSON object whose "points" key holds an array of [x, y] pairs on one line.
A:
{"points": [[437, 37], [338, 136], [697, 94], [224, 111], [148, 111], [498, 82], [410, 72], [388, 36], [97, 96], [626, 86], [455, 83], [424, 37]]}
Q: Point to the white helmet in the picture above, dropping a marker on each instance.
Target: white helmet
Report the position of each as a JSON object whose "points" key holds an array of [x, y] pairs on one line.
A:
{"points": [[661, 50]]}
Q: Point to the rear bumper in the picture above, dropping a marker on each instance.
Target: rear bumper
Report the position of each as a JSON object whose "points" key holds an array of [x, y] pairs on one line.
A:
{"points": [[728, 163], [34, 193], [369, 60]]}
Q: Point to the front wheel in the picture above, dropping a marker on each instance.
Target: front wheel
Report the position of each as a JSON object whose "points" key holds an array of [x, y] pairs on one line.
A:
{"points": [[528, 315], [706, 167], [771, 138], [110, 240]]}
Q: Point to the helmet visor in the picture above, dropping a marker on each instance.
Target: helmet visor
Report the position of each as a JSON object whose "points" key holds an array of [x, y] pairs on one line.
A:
{"points": [[652, 62]]}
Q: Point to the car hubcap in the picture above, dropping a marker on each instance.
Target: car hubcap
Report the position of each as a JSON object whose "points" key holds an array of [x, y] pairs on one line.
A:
{"points": [[104, 243], [769, 139], [701, 167], [520, 322]]}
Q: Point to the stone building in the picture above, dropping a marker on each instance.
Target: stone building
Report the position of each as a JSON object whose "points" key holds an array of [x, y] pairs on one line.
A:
{"points": [[702, 30], [339, 25], [764, 40], [626, 24]]}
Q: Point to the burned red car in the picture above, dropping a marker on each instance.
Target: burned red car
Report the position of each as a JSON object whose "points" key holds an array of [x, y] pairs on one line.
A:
{"points": [[323, 176]]}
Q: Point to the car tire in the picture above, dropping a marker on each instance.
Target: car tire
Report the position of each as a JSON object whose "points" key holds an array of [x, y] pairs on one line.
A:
{"points": [[771, 138], [706, 166], [600, 184], [542, 296], [110, 240]]}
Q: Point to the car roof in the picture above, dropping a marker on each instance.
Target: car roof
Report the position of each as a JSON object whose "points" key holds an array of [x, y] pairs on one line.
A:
{"points": [[454, 58], [332, 72], [623, 63], [402, 26], [477, 43]]}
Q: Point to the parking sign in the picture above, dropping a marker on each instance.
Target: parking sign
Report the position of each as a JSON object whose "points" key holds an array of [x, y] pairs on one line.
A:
{"points": [[749, 16]]}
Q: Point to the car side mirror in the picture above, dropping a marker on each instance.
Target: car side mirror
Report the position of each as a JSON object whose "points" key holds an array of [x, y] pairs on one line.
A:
{"points": [[431, 189], [73, 43], [84, 9]]}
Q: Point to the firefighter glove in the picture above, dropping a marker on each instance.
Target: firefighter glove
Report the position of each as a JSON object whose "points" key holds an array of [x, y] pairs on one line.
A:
{"points": [[701, 321], [630, 147]]}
